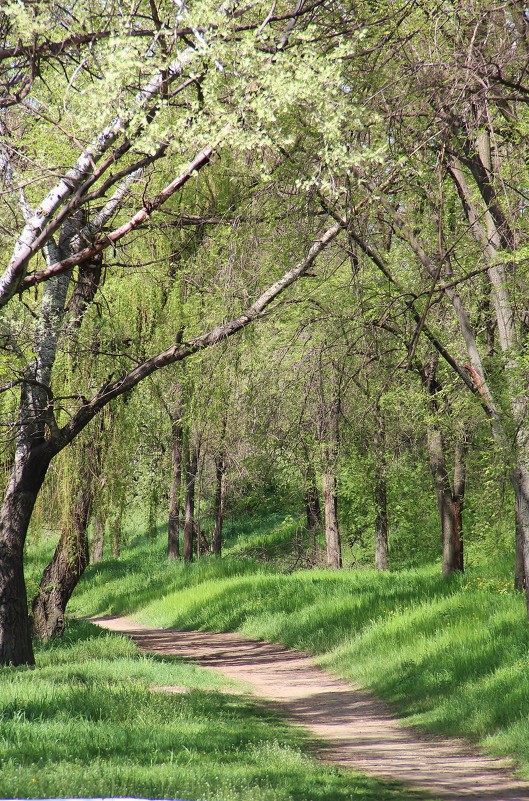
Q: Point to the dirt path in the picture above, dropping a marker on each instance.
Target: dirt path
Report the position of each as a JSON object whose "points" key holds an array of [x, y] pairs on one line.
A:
{"points": [[360, 731]]}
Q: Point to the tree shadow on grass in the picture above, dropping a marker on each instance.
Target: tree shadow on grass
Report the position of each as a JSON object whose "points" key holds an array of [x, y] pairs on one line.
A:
{"points": [[88, 732]]}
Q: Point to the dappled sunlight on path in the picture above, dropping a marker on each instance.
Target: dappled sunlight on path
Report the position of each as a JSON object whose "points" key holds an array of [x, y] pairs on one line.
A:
{"points": [[358, 731]]}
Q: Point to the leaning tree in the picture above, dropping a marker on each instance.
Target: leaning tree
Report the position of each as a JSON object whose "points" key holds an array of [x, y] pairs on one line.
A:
{"points": [[124, 111]]}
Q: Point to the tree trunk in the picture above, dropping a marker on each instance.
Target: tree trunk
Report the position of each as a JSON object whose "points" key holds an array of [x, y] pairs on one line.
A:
{"points": [[381, 520], [380, 496], [329, 436], [201, 542], [519, 569], [62, 575], [450, 504], [332, 531], [26, 480], [71, 556], [520, 480], [458, 500], [444, 500], [34, 451], [189, 511], [173, 528], [312, 496], [116, 535], [98, 540], [220, 499]]}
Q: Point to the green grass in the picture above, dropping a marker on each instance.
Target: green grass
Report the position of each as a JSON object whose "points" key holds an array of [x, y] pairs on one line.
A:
{"points": [[451, 656], [87, 722]]}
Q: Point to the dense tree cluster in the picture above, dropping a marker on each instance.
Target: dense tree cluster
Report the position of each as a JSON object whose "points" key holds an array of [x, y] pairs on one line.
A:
{"points": [[251, 245]]}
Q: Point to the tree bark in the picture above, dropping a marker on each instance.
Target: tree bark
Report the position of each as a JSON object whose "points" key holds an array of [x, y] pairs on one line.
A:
{"points": [[520, 482], [458, 500], [177, 435], [312, 496], [71, 556], [189, 511], [98, 540], [519, 569], [116, 535], [445, 502], [62, 574], [332, 531], [34, 451], [329, 437], [381, 496], [31, 465], [381, 521], [220, 499]]}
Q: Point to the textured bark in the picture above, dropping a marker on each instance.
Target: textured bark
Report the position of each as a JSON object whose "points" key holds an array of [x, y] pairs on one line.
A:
{"points": [[71, 556], [381, 496], [173, 526], [88, 281], [444, 500], [449, 501], [520, 481], [332, 531], [98, 540], [116, 535], [458, 500], [189, 511], [26, 480], [312, 496], [62, 576], [220, 500], [519, 569], [34, 451]]}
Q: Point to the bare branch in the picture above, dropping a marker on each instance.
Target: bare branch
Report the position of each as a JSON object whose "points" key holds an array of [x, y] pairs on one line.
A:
{"points": [[84, 166], [102, 244]]}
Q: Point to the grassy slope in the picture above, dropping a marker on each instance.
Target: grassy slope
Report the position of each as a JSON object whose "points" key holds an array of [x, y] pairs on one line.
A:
{"points": [[450, 655], [87, 722]]}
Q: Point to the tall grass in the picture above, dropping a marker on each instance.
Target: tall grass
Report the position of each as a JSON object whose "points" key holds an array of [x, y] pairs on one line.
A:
{"points": [[450, 655], [88, 722]]}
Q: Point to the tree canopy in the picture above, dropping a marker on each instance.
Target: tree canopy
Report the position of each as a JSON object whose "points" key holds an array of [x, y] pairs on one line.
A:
{"points": [[350, 176]]}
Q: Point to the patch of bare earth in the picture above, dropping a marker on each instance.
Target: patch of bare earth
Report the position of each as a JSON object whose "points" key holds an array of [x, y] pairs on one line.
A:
{"points": [[360, 732]]}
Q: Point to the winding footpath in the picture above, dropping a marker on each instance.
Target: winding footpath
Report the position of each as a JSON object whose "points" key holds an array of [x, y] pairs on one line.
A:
{"points": [[357, 730]]}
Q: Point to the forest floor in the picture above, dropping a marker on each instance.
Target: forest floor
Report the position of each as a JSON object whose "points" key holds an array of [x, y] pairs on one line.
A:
{"points": [[354, 729]]}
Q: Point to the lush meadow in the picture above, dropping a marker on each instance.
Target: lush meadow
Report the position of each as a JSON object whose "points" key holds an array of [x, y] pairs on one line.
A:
{"points": [[451, 655], [92, 719]]}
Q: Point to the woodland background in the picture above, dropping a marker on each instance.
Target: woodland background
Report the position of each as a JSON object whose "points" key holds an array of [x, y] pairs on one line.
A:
{"points": [[262, 259]]}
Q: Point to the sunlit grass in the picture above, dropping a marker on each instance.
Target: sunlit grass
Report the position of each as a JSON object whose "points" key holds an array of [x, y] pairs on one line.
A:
{"points": [[88, 722], [451, 655]]}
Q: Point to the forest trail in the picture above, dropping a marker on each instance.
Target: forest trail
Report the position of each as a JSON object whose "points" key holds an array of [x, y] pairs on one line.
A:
{"points": [[360, 732]]}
